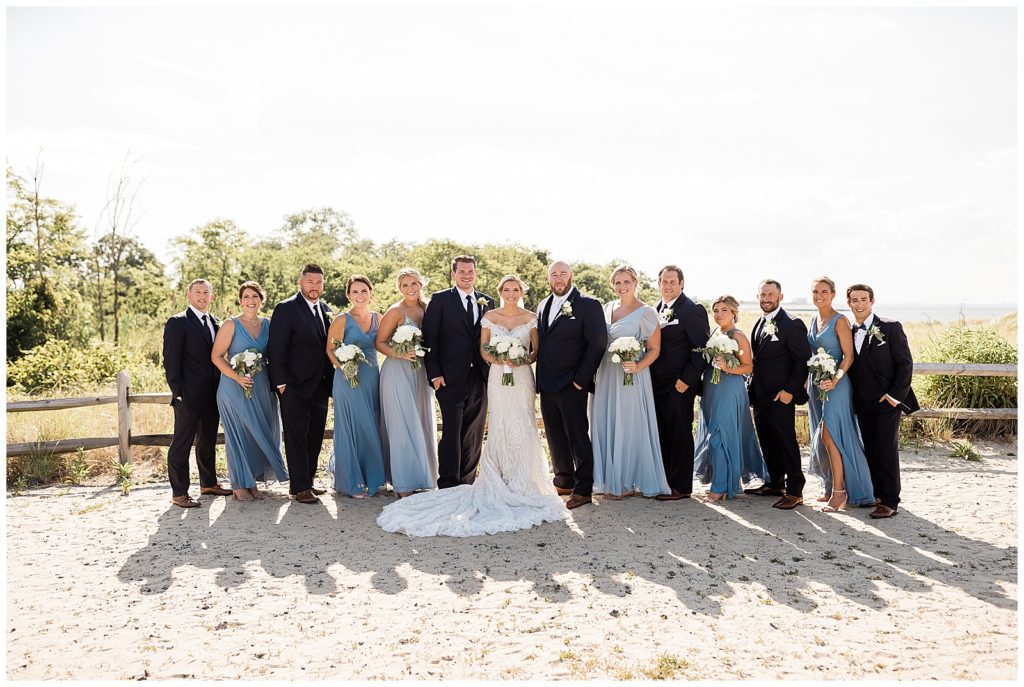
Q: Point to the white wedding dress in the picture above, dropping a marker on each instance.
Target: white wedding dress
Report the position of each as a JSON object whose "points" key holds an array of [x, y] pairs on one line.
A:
{"points": [[513, 490]]}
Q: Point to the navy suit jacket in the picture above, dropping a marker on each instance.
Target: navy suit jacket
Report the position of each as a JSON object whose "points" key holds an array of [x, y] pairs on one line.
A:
{"points": [[779, 365], [454, 344], [884, 367], [572, 347], [297, 349], [190, 371], [677, 360]]}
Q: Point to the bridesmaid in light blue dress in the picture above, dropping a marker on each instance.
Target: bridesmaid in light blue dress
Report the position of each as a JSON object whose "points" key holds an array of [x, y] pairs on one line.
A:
{"points": [[623, 425], [357, 462], [727, 452], [837, 450], [408, 419], [252, 426]]}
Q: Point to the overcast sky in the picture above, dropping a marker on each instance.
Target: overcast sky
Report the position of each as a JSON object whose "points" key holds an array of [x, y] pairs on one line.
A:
{"points": [[873, 145]]}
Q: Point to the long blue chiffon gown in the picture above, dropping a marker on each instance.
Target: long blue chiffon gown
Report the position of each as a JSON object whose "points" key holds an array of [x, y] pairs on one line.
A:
{"points": [[727, 453], [836, 413], [408, 425], [357, 461], [252, 426], [623, 426]]}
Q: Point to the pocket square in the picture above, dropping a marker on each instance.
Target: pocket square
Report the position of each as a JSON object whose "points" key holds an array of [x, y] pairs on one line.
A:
{"points": [[669, 324]]}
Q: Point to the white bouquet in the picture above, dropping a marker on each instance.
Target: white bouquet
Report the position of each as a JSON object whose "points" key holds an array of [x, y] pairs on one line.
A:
{"points": [[507, 349], [721, 346], [626, 349], [248, 362], [407, 339], [350, 356], [822, 366]]}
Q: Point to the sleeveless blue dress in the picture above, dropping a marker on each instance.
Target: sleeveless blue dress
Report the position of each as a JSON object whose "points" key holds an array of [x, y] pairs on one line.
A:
{"points": [[726, 450], [623, 425], [252, 426], [408, 425], [836, 413], [357, 462]]}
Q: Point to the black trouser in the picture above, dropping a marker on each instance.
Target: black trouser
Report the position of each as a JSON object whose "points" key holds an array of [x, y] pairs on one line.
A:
{"points": [[881, 434], [674, 412], [199, 426], [303, 421], [462, 432], [776, 432], [568, 432]]}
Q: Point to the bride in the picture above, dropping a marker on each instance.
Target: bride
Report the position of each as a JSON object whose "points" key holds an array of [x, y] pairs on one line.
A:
{"points": [[513, 490]]}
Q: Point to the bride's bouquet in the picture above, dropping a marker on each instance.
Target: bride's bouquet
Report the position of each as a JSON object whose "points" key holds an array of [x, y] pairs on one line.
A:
{"points": [[721, 346], [407, 339], [248, 363], [626, 349], [350, 356], [822, 366], [507, 349]]}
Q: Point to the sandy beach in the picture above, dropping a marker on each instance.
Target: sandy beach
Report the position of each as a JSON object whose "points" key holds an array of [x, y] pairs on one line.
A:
{"points": [[101, 586]]}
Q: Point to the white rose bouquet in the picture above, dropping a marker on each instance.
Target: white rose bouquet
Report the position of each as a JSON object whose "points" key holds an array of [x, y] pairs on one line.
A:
{"points": [[350, 356], [822, 366], [721, 346], [408, 339], [626, 349], [248, 363], [507, 349]]}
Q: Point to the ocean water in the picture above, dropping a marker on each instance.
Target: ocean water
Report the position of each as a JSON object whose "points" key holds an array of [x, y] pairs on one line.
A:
{"points": [[909, 312]]}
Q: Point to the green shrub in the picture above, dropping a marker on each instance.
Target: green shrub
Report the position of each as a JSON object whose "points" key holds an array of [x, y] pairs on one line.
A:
{"points": [[971, 345], [61, 365]]}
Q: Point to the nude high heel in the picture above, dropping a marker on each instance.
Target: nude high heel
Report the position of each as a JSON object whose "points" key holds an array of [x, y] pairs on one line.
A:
{"points": [[829, 508]]}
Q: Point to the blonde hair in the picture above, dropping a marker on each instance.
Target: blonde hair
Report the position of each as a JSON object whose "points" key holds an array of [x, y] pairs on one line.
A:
{"points": [[512, 277], [624, 268], [730, 302], [825, 280], [412, 272]]}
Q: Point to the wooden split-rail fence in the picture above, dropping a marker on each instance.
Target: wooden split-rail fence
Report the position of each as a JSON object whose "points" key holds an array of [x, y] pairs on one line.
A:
{"points": [[124, 399]]}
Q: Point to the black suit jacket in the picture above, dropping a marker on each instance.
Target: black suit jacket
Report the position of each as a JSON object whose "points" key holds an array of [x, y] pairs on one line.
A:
{"points": [[297, 349], [190, 372], [884, 367], [571, 349], [454, 344], [779, 365], [677, 360]]}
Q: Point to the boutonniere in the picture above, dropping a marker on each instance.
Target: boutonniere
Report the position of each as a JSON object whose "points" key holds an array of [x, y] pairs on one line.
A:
{"points": [[770, 328], [567, 310], [875, 333], [666, 315], [482, 302]]}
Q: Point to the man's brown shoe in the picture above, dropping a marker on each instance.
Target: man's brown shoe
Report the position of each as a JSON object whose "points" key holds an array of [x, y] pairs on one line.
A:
{"points": [[674, 496], [562, 491], [575, 501], [765, 490], [185, 501], [216, 490], [882, 511], [788, 502], [318, 492], [306, 497]]}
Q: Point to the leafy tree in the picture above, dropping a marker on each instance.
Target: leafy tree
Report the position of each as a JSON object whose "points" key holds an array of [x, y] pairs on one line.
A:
{"points": [[213, 251]]}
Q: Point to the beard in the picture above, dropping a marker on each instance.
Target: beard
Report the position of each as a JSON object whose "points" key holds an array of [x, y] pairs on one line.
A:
{"points": [[567, 289]]}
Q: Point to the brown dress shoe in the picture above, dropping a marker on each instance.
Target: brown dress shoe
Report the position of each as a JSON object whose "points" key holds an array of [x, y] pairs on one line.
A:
{"points": [[562, 491], [576, 500], [674, 496], [215, 490], [306, 497], [318, 492], [882, 511], [765, 490], [185, 501], [788, 502]]}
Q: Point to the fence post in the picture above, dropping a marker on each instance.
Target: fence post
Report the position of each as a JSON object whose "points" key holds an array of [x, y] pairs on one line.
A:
{"points": [[124, 418]]}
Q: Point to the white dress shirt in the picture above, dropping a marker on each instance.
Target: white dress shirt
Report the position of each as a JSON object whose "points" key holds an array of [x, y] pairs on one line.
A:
{"points": [[861, 335], [472, 299], [209, 319], [556, 305]]}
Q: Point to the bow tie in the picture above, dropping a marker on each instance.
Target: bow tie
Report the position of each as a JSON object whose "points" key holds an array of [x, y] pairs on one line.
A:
{"points": [[862, 327]]}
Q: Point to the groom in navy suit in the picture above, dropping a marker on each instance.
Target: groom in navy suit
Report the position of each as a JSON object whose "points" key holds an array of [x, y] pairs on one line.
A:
{"points": [[302, 372], [881, 373], [457, 371], [573, 338]]}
